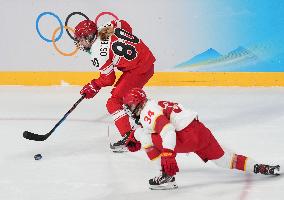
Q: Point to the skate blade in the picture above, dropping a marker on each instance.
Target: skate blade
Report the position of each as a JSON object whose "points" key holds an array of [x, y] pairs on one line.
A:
{"points": [[165, 186], [119, 150]]}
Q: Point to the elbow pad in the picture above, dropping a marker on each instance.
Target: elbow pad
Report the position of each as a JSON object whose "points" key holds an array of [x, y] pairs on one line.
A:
{"points": [[168, 135]]}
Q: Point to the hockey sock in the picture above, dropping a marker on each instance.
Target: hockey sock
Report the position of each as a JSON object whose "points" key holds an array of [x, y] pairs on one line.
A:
{"points": [[120, 117], [238, 162], [234, 161], [121, 120]]}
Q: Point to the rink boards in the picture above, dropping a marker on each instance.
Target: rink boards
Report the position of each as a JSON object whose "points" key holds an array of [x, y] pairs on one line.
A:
{"points": [[159, 78]]}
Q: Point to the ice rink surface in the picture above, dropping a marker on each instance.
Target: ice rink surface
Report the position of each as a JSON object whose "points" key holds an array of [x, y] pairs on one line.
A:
{"points": [[78, 165]]}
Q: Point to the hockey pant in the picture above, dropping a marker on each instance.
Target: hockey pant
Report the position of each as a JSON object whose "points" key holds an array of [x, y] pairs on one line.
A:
{"points": [[126, 82], [198, 139]]}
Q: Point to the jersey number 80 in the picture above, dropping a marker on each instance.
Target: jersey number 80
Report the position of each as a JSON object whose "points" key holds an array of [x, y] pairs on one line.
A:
{"points": [[128, 51]]}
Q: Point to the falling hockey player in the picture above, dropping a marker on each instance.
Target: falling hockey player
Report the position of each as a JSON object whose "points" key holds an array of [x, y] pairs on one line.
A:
{"points": [[168, 129], [114, 46]]}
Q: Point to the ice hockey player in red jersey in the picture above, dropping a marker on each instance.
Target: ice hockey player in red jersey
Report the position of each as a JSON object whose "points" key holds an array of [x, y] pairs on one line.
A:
{"points": [[167, 128], [114, 46]]}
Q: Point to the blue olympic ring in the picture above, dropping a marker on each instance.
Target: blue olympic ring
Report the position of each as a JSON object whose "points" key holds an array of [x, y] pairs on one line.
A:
{"points": [[58, 19]]}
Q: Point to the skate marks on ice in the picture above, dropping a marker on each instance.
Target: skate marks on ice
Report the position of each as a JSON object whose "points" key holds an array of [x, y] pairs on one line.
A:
{"points": [[69, 189], [78, 164], [209, 177], [101, 119], [239, 189], [65, 142], [225, 183]]}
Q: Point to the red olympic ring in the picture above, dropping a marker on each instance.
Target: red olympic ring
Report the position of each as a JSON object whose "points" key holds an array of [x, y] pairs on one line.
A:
{"points": [[72, 30], [105, 13]]}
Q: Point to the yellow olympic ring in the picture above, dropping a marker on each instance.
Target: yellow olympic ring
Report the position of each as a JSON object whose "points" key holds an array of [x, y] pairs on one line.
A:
{"points": [[57, 49]]}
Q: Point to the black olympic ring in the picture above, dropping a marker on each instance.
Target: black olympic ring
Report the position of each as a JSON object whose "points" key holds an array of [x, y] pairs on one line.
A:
{"points": [[67, 19]]}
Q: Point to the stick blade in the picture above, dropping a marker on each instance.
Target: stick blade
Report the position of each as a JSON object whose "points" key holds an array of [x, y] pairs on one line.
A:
{"points": [[32, 136]]}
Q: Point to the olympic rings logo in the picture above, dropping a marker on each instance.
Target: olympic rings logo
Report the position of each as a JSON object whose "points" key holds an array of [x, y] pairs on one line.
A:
{"points": [[54, 39]]}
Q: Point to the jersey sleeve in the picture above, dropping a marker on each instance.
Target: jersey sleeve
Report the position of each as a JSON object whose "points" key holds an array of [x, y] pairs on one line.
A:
{"points": [[107, 75], [102, 60], [166, 131], [105, 80], [154, 119], [144, 137], [146, 141]]}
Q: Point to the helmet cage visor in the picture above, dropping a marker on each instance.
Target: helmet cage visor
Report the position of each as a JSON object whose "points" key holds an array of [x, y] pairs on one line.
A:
{"points": [[134, 109], [85, 42]]}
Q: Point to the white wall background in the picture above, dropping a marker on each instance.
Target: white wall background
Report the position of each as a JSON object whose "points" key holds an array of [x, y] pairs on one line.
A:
{"points": [[175, 30], [159, 23]]}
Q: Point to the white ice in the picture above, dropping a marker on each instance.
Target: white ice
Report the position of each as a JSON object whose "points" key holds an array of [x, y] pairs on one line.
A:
{"points": [[78, 165]]}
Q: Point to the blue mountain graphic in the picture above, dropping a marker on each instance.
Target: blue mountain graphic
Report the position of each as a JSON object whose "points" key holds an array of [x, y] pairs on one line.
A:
{"points": [[273, 64], [207, 55], [240, 52], [237, 56]]}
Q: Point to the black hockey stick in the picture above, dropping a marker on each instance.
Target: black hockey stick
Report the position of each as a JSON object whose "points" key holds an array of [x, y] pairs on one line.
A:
{"points": [[32, 136]]}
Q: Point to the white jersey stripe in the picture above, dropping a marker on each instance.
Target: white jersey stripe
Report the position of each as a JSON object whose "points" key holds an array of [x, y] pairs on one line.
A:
{"points": [[107, 70], [115, 59], [118, 114]]}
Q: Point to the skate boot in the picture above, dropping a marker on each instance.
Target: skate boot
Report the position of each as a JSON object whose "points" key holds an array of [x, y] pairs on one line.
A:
{"points": [[163, 182], [119, 146], [266, 169]]}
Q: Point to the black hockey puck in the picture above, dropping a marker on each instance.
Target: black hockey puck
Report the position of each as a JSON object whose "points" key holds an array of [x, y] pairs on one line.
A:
{"points": [[37, 156]]}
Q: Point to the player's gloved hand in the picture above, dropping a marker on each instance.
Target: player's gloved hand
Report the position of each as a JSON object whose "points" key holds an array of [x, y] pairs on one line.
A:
{"points": [[168, 162], [131, 143], [90, 90]]}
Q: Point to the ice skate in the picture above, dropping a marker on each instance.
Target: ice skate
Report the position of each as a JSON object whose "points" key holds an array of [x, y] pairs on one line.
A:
{"points": [[119, 146], [163, 182], [267, 169]]}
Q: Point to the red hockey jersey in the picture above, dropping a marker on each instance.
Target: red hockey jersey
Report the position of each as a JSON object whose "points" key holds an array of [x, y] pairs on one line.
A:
{"points": [[122, 50]]}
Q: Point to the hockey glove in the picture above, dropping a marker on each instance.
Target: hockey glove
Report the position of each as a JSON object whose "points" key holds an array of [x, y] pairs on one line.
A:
{"points": [[90, 90], [131, 143], [168, 162]]}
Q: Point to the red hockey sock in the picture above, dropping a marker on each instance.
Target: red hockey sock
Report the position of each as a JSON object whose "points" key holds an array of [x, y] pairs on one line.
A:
{"points": [[123, 124], [121, 119], [239, 162]]}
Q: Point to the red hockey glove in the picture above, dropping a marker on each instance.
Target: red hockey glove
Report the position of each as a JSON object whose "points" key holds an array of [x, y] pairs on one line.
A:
{"points": [[168, 162], [90, 90], [131, 143]]}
